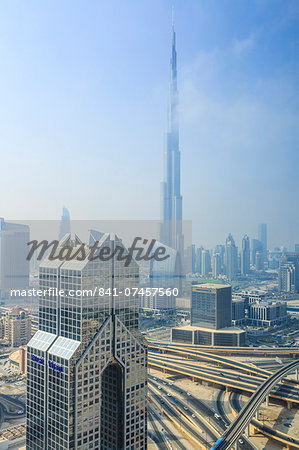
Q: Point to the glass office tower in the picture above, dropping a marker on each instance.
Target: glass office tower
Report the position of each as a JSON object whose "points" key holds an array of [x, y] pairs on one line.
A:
{"points": [[87, 364], [211, 306]]}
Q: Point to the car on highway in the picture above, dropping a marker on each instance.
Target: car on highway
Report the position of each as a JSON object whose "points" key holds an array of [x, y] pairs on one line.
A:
{"points": [[155, 378], [193, 415], [159, 387], [216, 416], [241, 441], [186, 408], [189, 393], [170, 384], [168, 394], [164, 382]]}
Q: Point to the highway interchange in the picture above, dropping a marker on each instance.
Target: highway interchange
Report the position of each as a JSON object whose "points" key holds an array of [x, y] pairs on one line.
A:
{"points": [[191, 413]]}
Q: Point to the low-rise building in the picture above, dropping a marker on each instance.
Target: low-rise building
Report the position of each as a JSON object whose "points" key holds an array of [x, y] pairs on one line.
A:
{"points": [[18, 359], [225, 337], [238, 311], [267, 313]]}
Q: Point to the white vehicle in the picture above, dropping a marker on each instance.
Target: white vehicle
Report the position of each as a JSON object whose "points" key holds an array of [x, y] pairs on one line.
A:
{"points": [[241, 441], [188, 393], [216, 416], [193, 415], [159, 387], [169, 395]]}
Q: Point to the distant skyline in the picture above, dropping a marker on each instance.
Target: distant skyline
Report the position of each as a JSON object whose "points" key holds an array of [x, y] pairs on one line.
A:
{"points": [[83, 113]]}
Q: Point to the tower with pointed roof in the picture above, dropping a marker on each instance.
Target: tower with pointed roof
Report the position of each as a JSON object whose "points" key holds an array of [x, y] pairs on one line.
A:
{"points": [[171, 198]]}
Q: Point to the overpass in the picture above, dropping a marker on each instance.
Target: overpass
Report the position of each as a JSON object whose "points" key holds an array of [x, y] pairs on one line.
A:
{"points": [[249, 384], [256, 351], [192, 352], [247, 412]]}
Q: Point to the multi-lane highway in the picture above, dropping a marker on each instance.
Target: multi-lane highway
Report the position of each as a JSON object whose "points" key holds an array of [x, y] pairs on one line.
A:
{"points": [[206, 418], [242, 382], [177, 414]]}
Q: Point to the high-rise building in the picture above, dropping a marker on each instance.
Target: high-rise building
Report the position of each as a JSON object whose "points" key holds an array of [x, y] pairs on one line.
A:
{"points": [[245, 256], [87, 364], [231, 258], [198, 259], [220, 249], [171, 199], [14, 267], [211, 306], [259, 261], [191, 258], [256, 246], [262, 237], [289, 272], [17, 327], [65, 223], [216, 265], [205, 263]]}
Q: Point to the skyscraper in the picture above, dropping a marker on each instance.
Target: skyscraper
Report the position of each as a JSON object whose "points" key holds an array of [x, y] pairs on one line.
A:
{"points": [[14, 268], [256, 246], [231, 258], [87, 366], [262, 237], [171, 199], [205, 263], [216, 266], [245, 256], [65, 223]]}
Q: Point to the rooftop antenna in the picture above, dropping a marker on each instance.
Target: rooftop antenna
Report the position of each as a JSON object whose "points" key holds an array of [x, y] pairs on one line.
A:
{"points": [[172, 18]]}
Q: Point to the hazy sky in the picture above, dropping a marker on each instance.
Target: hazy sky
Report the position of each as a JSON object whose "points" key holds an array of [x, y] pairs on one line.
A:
{"points": [[83, 109]]}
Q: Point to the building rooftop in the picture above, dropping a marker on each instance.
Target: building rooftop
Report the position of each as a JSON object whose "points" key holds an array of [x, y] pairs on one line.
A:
{"points": [[221, 330], [206, 286], [16, 311]]}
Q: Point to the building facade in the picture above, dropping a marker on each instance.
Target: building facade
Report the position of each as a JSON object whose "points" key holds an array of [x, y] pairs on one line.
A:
{"points": [[267, 313], [231, 258], [87, 364], [211, 306], [245, 256], [262, 237], [14, 267], [238, 311], [226, 337], [171, 198], [289, 272], [17, 327]]}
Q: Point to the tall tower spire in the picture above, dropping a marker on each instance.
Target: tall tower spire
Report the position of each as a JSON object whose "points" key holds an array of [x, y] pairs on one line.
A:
{"points": [[171, 199]]}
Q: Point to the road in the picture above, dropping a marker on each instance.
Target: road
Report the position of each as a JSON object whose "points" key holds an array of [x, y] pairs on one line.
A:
{"points": [[247, 412], [250, 384]]}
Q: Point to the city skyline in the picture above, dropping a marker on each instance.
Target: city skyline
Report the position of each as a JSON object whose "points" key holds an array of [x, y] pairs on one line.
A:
{"points": [[238, 113]]}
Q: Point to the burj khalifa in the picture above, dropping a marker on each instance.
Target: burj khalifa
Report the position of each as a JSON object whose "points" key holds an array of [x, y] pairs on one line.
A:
{"points": [[171, 199]]}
